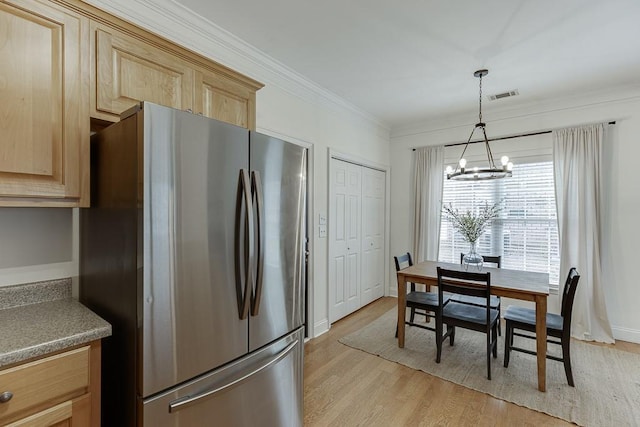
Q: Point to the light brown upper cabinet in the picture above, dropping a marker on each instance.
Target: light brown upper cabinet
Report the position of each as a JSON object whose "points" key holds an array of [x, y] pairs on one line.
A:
{"points": [[220, 98], [129, 68], [129, 71], [64, 62], [44, 105]]}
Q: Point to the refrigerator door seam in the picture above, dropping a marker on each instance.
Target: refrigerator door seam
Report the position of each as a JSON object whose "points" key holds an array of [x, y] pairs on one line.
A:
{"points": [[190, 400]]}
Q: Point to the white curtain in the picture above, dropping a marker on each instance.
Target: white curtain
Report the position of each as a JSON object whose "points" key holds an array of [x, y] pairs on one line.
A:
{"points": [[577, 158], [428, 182]]}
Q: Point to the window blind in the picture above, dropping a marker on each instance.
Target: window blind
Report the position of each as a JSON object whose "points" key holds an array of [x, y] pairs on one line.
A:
{"points": [[525, 234]]}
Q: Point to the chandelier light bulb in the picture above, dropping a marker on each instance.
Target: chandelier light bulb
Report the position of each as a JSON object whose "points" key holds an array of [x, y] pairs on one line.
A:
{"points": [[449, 170], [504, 160], [463, 163], [509, 166]]}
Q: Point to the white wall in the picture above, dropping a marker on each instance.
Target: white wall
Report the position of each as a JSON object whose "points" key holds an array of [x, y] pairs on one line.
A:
{"points": [[325, 128], [288, 106], [38, 244], [622, 197]]}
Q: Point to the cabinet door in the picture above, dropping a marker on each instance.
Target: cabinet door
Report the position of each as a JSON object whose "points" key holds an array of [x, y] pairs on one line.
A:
{"points": [[44, 126], [56, 416], [220, 98], [129, 70], [75, 412]]}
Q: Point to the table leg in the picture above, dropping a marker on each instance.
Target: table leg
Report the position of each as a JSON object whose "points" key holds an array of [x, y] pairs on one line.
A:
{"points": [[541, 340], [402, 295]]}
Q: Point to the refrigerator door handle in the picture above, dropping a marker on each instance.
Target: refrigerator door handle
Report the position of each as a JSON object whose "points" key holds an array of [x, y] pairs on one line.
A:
{"points": [[248, 253], [256, 189], [186, 401]]}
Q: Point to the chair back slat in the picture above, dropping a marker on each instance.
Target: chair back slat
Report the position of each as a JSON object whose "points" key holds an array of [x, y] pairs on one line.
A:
{"points": [[464, 282], [568, 295], [403, 261], [493, 259]]}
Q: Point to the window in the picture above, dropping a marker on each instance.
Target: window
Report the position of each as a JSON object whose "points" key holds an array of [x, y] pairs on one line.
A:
{"points": [[526, 234]]}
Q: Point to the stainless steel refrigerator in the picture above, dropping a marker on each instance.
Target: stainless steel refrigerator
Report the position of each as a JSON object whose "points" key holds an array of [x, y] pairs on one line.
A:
{"points": [[194, 250]]}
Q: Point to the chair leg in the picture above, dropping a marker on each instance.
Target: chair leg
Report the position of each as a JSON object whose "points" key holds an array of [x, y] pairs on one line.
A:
{"points": [[499, 320], [396, 329], [452, 336], [507, 343], [511, 337], [494, 341], [438, 338], [566, 358], [413, 315], [489, 356]]}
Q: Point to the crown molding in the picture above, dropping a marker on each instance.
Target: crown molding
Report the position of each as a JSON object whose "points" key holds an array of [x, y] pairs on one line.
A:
{"points": [[612, 95], [173, 21]]}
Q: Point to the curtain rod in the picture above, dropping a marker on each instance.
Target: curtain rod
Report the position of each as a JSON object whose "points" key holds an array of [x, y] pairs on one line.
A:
{"points": [[542, 132]]}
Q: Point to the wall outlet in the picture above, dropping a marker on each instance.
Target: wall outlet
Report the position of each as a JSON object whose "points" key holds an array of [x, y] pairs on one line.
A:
{"points": [[322, 231]]}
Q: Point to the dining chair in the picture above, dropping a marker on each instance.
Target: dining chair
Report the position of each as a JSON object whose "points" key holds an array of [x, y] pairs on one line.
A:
{"points": [[558, 326], [455, 314], [420, 302], [494, 300]]}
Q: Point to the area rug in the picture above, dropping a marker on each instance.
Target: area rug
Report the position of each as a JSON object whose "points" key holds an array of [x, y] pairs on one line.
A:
{"points": [[607, 381]]}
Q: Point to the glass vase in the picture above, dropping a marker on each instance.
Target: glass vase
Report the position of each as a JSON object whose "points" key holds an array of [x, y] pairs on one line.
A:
{"points": [[472, 257]]}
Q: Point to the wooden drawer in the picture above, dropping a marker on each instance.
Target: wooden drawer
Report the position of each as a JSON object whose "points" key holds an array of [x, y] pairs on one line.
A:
{"points": [[44, 383]]}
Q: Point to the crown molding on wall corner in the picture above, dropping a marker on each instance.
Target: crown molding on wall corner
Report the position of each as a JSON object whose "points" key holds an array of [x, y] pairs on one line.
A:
{"points": [[611, 95], [175, 22]]}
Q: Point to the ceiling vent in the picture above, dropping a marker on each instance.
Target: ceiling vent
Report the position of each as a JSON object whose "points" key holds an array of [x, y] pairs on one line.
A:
{"points": [[504, 95]]}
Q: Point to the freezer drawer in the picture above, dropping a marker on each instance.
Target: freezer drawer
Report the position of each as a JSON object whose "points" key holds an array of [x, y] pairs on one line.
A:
{"points": [[263, 388]]}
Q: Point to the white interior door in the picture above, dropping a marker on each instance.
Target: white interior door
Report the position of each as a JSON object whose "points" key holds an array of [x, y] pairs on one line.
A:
{"points": [[373, 207], [345, 238]]}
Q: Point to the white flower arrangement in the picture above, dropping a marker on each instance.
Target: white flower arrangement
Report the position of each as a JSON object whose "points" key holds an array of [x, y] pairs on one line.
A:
{"points": [[472, 225]]}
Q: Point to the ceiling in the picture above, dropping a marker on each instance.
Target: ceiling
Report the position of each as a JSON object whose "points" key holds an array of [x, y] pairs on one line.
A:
{"points": [[413, 60]]}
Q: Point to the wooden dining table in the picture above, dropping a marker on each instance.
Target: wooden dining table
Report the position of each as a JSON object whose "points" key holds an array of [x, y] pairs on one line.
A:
{"points": [[516, 284]]}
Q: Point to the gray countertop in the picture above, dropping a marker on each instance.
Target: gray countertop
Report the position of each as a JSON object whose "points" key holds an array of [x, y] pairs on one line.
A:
{"points": [[41, 327]]}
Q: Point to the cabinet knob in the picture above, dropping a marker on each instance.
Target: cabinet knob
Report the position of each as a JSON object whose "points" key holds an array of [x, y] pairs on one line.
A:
{"points": [[5, 397]]}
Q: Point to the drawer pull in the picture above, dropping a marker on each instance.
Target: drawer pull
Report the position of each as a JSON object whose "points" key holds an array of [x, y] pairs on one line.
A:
{"points": [[5, 397]]}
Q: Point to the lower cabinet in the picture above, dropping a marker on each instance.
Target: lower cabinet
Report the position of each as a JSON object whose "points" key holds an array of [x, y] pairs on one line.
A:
{"points": [[58, 390]]}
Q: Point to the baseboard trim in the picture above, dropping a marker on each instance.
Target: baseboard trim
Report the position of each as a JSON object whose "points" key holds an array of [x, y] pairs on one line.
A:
{"points": [[626, 334], [320, 328]]}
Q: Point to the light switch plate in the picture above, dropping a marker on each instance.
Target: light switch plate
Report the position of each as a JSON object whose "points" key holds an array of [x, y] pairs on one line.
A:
{"points": [[322, 219]]}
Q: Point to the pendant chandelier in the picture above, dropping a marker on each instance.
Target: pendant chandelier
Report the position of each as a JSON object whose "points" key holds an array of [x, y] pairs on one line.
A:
{"points": [[461, 172]]}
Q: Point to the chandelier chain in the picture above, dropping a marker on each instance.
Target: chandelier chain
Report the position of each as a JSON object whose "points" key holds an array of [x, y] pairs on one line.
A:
{"points": [[480, 101]]}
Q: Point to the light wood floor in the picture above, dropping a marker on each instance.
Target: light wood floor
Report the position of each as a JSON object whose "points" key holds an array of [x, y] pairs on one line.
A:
{"points": [[348, 387]]}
